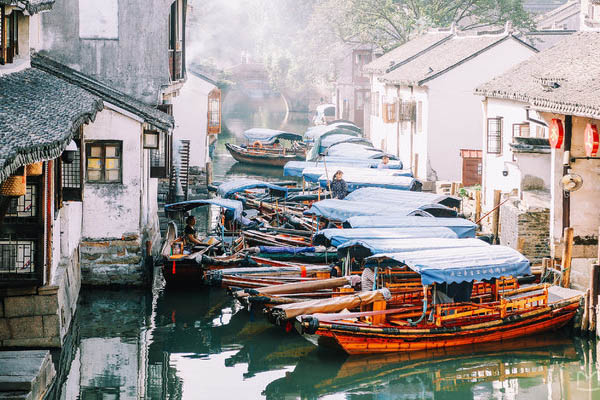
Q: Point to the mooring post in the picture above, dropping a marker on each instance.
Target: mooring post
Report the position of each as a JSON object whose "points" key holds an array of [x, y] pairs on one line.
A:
{"points": [[567, 254], [496, 215]]}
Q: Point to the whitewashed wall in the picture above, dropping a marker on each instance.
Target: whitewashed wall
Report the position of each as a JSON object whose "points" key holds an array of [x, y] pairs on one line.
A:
{"points": [[190, 112], [455, 117], [110, 210]]}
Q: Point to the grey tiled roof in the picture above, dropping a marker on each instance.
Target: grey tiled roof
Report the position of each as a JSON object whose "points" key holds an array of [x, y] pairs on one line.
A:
{"points": [[32, 6], [38, 115], [150, 114], [406, 51], [444, 57], [563, 79]]}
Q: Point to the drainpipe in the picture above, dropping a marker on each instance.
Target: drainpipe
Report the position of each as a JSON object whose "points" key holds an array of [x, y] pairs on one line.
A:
{"points": [[535, 121], [566, 204], [398, 122]]}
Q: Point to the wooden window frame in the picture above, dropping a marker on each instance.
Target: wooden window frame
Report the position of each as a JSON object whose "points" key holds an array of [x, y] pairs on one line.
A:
{"points": [[103, 144], [497, 139], [214, 97], [390, 114]]}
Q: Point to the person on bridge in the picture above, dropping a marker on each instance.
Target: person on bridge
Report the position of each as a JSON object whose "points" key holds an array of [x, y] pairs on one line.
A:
{"points": [[339, 188]]}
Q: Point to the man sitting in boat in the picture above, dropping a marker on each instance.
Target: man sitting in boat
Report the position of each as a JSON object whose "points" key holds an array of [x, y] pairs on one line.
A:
{"points": [[190, 234], [385, 163]]}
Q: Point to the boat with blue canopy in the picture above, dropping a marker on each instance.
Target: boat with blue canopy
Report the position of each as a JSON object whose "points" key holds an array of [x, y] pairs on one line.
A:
{"points": [[234, 206], [295, 168], [229, 188], [463, 227], [341, 210], [268, 147], [314, 133], [372, 194], [312, 174], [362, 248], [336, 237], [321, 143], [356, 181], [355, 150]]}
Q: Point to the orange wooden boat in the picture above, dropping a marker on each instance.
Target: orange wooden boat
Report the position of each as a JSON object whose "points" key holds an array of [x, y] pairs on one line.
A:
{"points": [[512, 313]]}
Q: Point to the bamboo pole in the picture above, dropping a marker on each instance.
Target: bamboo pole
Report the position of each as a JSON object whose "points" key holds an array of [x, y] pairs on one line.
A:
{"points": [[594, 284], [496, 215], [477, 205], [567, 254]]}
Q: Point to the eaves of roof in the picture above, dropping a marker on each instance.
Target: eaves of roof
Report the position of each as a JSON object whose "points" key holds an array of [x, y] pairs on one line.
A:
{"points": [[31, 6]]}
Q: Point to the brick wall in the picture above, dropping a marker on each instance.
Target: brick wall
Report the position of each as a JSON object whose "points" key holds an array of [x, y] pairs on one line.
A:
{"points": [[110, 262], [531, 226]]}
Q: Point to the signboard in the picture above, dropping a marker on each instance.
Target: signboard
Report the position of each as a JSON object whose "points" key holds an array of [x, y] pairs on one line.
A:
{"points": [[591, 140], [557, 133]]}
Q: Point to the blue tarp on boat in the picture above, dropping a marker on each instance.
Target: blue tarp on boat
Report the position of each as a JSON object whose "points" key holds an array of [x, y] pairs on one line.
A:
{"points": [[463, 228], [228, 188], [319, 148], [368, 247], [331, 140], [285, 250], [268, 136], [234, 205], [462, 264], [312, 174], [401, 196], [341, 210], [354, 150], [355, 182], [316, 132], [335, 237], [295, 168]]}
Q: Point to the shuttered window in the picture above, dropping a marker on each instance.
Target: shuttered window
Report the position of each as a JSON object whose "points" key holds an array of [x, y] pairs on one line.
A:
{"points": [[494, 135]]}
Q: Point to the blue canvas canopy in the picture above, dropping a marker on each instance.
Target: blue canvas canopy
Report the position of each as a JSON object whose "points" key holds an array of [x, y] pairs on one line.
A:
{"points": [[463, 228], [400, 196], [228, 204], [316, 132], [341, 210], [346, 125], [268, 136], [329, 138], [362, 248], [228, 188], [354, 150], [335, 237], [295, 168], [312, 174], [332, 140], [355, 181], [461, 264]]}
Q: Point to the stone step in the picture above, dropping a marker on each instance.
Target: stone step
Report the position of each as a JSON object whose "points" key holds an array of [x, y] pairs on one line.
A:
{"points": [[28, 371]]}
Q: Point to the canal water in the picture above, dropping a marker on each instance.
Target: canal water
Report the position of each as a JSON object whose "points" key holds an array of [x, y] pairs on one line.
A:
{"points": [[201, 344]]}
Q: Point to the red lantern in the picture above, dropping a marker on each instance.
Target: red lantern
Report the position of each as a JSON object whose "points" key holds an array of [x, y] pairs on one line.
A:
{"points": [[591, 140], [557, 133]]}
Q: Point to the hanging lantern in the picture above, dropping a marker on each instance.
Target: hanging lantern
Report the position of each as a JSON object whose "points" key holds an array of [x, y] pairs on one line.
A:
{"points": [[15, 185], [591, 140], [557, 133], [34, 169]]}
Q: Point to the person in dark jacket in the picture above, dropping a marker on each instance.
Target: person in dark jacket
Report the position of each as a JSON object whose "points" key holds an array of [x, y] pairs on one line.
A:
{"points": [[339, 188]]}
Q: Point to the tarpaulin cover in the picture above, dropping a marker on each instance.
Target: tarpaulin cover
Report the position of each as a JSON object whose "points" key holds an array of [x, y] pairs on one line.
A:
{"points": [[295, 168], [400, 196], [345, 125], [330, 140], [228, 204], [461, 265], [341, 210], [463, 228], [332, 305], [228, 188], [377, 246], [355, 181], [268, 136], [354, 150], [285, 249], [316, 132], [319, 148], [312, 174], [335, 237]]}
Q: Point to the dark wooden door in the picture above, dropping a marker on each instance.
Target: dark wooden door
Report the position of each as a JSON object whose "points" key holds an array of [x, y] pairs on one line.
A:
{"points": [[471, 171]]}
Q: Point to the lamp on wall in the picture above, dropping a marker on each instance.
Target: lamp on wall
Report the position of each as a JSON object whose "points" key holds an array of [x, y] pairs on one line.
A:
{"points": [[151, 139], [68, 155]]}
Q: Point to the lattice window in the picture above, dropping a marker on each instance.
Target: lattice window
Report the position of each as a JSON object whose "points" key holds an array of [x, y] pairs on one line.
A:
{"points": [[24, 206], [104, 160], [159, 158], [72, 177], [389, 112], [214, 112], [17, 257], [494, 135]]}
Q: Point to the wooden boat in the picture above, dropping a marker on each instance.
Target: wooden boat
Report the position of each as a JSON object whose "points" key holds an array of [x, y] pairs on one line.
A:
{"points": [[512, 314], [264, 148]]}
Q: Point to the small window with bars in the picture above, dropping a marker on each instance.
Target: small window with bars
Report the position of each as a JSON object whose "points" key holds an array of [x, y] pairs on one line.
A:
{"points": [[159, 157], [494, 135], [71, 177], [104, 162], [17, 257]]}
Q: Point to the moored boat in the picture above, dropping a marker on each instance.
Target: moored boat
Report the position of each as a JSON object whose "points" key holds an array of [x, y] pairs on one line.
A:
{"points": [[264, 147]]}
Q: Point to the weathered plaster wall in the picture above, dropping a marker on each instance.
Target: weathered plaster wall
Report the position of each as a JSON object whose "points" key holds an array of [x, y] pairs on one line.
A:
{"points": [[526, 166], [136, 64], [111, 210], [455, 117], [190, 110]]}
